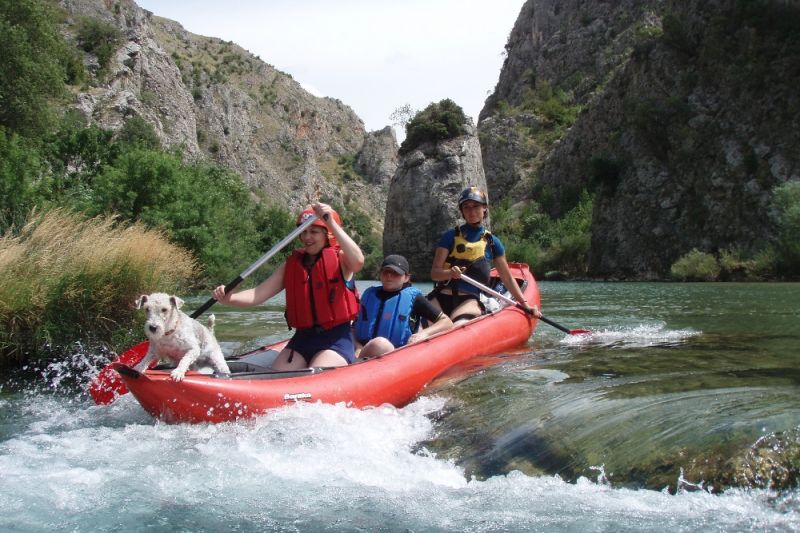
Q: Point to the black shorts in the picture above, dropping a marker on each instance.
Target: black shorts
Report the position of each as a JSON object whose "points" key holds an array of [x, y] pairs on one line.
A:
{"points": [[449, 302]]}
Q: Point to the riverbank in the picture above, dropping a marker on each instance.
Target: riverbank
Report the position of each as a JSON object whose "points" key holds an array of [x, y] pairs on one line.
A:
{"points": [[69, 280]]}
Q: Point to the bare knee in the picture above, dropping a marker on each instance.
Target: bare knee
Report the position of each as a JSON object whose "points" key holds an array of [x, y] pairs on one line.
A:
{"points": [[375, 347]]}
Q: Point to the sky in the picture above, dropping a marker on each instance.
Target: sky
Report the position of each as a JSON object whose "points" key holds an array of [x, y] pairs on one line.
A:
{"points": [[373, 55]]}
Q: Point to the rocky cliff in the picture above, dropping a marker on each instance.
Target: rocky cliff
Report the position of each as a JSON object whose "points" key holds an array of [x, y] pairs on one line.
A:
{"points": [[423, 197], [686, 118], [216, 101]]}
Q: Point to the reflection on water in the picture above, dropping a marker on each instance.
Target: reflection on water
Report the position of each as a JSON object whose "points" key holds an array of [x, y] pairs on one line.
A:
{"points": [[686, 387]]}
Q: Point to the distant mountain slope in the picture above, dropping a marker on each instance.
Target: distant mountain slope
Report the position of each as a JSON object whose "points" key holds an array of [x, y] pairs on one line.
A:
{"points": [[217, 101]]}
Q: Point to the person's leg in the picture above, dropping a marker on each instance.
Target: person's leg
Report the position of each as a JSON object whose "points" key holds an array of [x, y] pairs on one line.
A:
{"points": [[466, 310], [375, 347], [289, 359], [327, 358]]}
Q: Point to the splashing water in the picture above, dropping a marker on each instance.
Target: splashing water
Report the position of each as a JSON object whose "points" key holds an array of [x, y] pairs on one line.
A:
{"points": [[67, 464], [640, 336]]}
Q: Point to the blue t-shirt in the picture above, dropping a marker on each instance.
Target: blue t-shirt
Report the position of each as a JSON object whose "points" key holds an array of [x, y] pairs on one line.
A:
{"points": [[471, 234]]}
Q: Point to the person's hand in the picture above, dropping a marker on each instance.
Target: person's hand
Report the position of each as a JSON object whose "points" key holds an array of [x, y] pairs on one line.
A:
{"points": [[531, 310], [323, 212], [219, 294], [455, 272], [416, 337]]}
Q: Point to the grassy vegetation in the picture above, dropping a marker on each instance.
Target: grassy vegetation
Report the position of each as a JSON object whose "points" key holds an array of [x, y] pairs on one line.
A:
{"points": [[67, 278]]}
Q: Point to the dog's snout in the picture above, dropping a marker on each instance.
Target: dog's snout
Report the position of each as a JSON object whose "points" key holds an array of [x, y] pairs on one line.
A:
{"points": [[153, 328]]}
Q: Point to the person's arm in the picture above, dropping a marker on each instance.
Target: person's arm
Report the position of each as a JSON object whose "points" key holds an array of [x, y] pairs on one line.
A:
{"points": [[439, 320], [438, 271], [501, 265], [257, 295], [352, 258]]}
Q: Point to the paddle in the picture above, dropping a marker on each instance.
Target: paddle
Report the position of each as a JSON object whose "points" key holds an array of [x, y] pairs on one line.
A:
{"points": [[509, 301], [107, 385], [260, 261]]}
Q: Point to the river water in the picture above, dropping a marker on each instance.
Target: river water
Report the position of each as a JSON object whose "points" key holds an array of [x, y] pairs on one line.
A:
{"points": [[679, 412]]}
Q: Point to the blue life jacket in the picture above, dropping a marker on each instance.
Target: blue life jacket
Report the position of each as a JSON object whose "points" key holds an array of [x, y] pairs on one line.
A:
{"points": [[390, 318]]}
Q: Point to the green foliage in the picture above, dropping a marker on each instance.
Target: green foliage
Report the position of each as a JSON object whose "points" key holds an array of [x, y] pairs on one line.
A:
{"points": [[696, 266], [204, 208], [33, 67], [547, 244], [20, 180], [555, 109], [676, 34], [658, 120], [437, 122], [362, 230], [138, 132], [98, 38], [785, 213], [735, 267]]}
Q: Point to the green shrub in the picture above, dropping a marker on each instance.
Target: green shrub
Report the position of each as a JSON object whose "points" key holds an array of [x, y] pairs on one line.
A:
{"points": [[33, 69], [785, 213], [137, 131], [696, 266], [20, 180], [98, 38], [437, 122]]}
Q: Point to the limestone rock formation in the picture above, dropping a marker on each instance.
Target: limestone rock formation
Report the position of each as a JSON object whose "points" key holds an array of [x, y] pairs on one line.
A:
{"points": [[688, 119], [423, 197], [377, 160]]}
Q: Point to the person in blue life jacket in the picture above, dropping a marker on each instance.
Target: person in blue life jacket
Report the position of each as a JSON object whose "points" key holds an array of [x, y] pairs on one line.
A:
{"points": [[470, 249], [321, 298], [391, 312]]}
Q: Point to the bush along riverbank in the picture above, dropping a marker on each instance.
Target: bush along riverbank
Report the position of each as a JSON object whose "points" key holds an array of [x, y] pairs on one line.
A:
{"points": [[68, 279]]}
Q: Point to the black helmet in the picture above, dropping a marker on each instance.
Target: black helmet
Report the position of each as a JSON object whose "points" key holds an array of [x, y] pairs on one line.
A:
{"points": [[474, 194]]}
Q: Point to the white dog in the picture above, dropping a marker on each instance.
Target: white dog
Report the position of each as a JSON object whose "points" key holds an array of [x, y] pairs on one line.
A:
{"points": [[176, 335]]}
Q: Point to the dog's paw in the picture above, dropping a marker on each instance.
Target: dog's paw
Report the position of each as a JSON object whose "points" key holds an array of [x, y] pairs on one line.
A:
{"points": [[177, 375]]}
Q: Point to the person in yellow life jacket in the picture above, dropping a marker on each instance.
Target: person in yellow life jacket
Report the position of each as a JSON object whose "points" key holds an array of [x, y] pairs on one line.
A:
{"points": [[392, 312], [321, 299], [470, 249]]}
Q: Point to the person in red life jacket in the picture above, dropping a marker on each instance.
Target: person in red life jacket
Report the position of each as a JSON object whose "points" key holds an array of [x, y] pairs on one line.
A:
{"points": [[470, 249], [392, 312], [321, 299]]}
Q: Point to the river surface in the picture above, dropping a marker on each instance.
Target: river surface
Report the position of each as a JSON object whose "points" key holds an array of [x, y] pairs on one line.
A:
{"points": [[680, 412]]}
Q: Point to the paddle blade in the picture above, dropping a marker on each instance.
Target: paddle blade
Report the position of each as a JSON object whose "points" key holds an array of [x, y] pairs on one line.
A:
{"points": [[579, 331], [107, 385]]}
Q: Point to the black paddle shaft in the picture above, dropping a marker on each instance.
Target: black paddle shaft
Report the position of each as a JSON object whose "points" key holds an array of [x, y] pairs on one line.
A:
{"points": [[261, 260]]}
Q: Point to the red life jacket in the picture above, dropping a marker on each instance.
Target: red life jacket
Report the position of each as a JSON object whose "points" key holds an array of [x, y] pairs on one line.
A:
{"points": [[318, 296]]}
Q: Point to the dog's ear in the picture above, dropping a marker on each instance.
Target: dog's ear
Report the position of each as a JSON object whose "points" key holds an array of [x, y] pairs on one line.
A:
{"points": [[176, 302], [141, 301]]}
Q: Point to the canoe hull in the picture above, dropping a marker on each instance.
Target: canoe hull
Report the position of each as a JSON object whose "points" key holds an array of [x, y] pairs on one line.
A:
{"points": [[395, 378]]}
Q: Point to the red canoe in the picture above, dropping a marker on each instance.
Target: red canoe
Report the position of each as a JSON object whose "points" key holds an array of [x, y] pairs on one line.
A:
{"points": [[395, 378]]}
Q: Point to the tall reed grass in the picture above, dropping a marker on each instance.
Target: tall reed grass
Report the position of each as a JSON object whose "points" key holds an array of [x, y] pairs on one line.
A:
{"points": [[66, 279]]}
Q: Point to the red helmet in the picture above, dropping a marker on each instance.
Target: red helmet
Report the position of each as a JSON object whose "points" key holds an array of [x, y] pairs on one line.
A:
{"points": [[308, 211]]}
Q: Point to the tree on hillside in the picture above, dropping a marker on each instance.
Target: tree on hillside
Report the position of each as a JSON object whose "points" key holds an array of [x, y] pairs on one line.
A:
{"points": [[437, 122], [33, 68]]}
